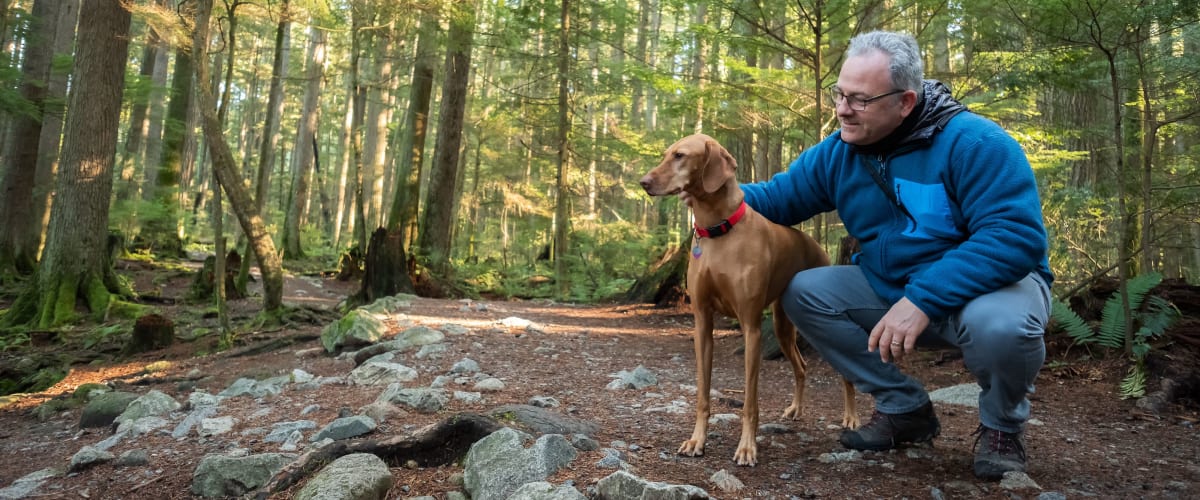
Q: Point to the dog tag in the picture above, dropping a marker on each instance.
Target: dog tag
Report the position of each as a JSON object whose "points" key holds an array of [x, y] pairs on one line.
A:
{"points": [[696, 251]]}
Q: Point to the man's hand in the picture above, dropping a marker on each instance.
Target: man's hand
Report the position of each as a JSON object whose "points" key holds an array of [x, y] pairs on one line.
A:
{"points": [[896, 334]]}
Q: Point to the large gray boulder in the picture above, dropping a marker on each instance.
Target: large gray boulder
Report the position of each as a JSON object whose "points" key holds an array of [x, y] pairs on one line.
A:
{"points": [[224, 476], [152, 404], [104, 409], [499, 464], [357, 328], [358, 476]]}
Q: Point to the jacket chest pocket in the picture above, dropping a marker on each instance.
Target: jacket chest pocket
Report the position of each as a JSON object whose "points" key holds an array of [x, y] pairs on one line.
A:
{"points": [[929, 206]]}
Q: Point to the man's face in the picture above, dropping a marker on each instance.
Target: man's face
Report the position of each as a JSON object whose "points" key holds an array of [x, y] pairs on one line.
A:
{"points": [[863, 77]]}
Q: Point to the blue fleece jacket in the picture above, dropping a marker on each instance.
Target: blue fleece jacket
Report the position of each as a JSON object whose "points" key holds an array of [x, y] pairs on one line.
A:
{"points": [[967, 218]]}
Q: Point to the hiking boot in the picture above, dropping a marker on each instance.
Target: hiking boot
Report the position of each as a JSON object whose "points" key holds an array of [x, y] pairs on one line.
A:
{"points": [[997, 452], [886, 431]]}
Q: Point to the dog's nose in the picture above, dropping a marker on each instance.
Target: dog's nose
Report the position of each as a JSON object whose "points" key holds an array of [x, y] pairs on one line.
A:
{"points": [[645, 182]]}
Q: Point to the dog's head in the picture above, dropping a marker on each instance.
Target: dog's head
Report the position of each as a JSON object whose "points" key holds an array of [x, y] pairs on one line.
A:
{"points": [[696, 164]]}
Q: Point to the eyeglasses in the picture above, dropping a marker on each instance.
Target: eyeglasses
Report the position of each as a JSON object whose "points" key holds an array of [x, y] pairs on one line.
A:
{"points": [[856, 103]]}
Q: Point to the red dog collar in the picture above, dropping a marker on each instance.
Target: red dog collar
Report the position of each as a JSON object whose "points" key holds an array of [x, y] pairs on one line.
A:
{"points": [[725, 226]]}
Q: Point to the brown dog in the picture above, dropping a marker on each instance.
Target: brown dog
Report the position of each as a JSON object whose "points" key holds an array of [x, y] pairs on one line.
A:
{"points": [[741, 263]]}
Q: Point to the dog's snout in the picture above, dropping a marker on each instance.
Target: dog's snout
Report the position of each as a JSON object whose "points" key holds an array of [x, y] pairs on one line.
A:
{"points": [[646, 182]]}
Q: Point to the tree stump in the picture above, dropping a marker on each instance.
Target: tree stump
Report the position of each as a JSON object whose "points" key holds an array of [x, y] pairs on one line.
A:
{"points": [[663, 284], [151, 332], [204, 285], [386, 269]]}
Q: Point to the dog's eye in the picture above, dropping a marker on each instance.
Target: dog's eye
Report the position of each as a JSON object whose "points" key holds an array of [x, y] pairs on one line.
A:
{"points": [[678, 155]]}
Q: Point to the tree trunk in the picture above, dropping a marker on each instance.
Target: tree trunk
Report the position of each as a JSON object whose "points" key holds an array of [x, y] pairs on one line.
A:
{"points": [[225, 168], [562, 199], [18, 251], [139, 117], [75, 265], [376, 133], [52, 120], [437, 223], [386, 268], [270, 136], [303, 153], [160, 231], [412, 143]]}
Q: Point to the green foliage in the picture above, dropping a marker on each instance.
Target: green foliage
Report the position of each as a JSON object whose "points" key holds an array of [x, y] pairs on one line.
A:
{"points": [[102, 334], [1066, 318], [1154, 315], [1112, 319]]}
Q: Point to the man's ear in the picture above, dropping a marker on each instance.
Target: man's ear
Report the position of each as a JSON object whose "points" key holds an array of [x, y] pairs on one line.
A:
{"points": [[718, 166]]}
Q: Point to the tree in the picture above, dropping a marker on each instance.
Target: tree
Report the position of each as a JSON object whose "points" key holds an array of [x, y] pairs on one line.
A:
{"points": [[225, 168], [75, 264], [437, 223], [562, 210], [306, 137], [18, 243]]}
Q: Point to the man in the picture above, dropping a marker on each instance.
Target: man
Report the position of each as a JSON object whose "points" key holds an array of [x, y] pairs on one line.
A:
{"points": [[946, 209]]}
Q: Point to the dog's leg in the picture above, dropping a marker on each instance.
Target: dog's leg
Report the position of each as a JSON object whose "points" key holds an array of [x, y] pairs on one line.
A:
{"points": [[785, 331], [702, 339], [747, 450], [850, 410]]}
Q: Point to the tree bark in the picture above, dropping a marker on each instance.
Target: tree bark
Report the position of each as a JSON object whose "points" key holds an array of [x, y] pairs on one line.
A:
{"points": [[562, 212], [53, 117], [437, 224], [376, 133], [225, 168], [74, 265], [303, 153], [161, 231], [412, 144], [270, 137], [18, 252]]}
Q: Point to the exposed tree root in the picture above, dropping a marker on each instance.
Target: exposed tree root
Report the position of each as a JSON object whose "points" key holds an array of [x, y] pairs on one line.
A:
{"points": [[435, 444]]}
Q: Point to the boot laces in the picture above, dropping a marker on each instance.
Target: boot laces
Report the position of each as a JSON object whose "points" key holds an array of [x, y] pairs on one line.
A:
{"points": [[999, 442]]}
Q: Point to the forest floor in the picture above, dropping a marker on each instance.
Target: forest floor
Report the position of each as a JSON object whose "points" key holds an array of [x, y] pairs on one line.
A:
{"points": [[1085, 440]]}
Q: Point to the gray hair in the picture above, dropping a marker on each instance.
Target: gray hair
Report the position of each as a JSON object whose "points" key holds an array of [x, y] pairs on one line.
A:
{"points": [[906, 68]]}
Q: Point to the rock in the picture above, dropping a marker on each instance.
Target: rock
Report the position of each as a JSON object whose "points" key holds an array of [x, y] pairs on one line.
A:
{"points": [[25, 485], [490, 384], [280, 431], [357, 328], [223, 475], [215, 426], [381, 373], [544, 402], [640, 378], [255, 388], [427, 400], [542, 490], [726, 482], [961, 395], [499, 464], [545, 421], [358, 476], [465, 365], [132, 458], [87, 457], [345, 428], [104, 409], [622, 485], [1018, 481]]}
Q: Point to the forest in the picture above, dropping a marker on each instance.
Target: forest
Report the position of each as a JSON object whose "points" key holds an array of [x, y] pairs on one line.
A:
{"points": [[492, 148]]}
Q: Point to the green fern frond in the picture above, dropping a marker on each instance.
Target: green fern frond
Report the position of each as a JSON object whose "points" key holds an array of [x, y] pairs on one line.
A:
{"points": [[1112, 320], [1134, 384], [1070, 322], [1159, 315]]}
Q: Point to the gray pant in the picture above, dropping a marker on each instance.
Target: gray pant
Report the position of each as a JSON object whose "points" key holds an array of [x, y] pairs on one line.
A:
{"points": [[1000, 335]]}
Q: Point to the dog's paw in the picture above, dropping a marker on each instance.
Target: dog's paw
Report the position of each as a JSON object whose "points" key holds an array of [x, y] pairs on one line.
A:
{"points": [[792, 412], [850, 421], [691, 448], [746, 456]]}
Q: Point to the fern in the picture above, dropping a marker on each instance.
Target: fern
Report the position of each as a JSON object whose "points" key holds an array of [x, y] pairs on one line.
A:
{"points": [[1112, 320], [1134, 384], [1071, 323]]}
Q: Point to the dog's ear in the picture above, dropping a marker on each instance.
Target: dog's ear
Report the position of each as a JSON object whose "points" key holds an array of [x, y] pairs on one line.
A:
{"points": [[718, 166]]}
